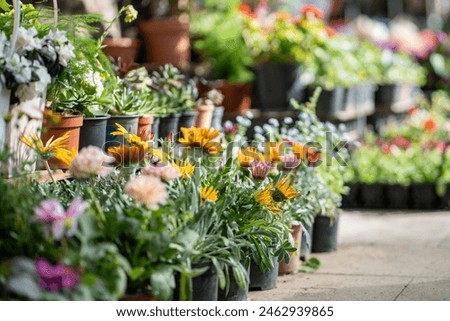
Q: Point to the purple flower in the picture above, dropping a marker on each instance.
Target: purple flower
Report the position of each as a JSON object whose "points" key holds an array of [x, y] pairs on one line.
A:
{"points": [[289, 162], [57, 221], [230, 129], [56, 277], [260, 169]]}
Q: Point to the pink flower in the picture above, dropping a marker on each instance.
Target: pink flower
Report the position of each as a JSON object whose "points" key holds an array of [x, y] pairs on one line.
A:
{"points": [[230, 129], [166, 173], [260, 169], [289, 162], [57, 221], [56, 277], [147, 190], [89, 161]]}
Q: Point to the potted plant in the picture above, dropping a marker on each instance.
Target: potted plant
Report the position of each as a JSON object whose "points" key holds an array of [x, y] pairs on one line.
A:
{"points": [[166, 36], [44, 258], [176, 99], [217, 34], [278, 43]]}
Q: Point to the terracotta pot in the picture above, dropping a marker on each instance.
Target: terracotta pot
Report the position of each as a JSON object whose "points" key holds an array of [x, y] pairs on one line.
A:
{"points": [[237, 97], [66, 123], [124, 48], [204, 117], [145, 125], [294, 263], [167, 41]]}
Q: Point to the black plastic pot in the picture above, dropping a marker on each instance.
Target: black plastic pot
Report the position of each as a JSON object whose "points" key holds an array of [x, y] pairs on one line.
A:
{"points": [[93, 132], [351, 99], [187, 119], [365, 97], [307, 241], [331, 102], [397, 197], [325, 234], [423, 196], [204, 287], [445, 199], [259, 280], [129, 122], [351, 200], [235, 293], [155, 128], [275, 84], [387, 94], [372, 196], [216, 122], [167, 125]]}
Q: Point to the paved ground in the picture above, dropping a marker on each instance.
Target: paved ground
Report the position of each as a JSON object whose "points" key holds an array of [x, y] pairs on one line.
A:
{"points": [[381, 256]]}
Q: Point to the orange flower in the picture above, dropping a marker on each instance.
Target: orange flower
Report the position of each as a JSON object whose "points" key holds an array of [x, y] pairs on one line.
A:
{"points": [[201, 138], [246, 10], [299, 151], [247, 155], [430, 125], [272, 151], [312, 10], [412, 110], [126, 155], [331, 32], [283, 15], [314, 156]]}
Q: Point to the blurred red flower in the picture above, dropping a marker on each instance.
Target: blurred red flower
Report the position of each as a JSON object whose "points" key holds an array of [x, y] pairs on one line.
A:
{"points": [[312, 10]]}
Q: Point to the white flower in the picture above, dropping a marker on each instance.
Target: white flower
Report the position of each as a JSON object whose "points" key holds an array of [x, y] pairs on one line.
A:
{"points": [[147, 190], [63, 46], [27, 40], [4, 46], [65, 53], [26, 92], [20, 67], [89, 161], [43, 75], [94, 79]]}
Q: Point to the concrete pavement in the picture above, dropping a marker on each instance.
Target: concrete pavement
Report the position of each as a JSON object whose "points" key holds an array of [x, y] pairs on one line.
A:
{"points": [[381, 256]]}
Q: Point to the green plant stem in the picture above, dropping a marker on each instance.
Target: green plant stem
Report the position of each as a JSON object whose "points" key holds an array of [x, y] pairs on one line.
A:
{"points": [[47, 166]]}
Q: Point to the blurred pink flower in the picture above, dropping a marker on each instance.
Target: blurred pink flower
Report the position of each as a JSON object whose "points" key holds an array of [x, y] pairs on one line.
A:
{"points": [[89, 162], [56, 277], [147, 190], [57, 221], [166, 173], [260, 169], [289, 162]]}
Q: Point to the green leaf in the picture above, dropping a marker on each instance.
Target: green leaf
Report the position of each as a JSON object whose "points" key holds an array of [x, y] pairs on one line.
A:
{"points": [[310, 266], [136, 272], [4, 5]]}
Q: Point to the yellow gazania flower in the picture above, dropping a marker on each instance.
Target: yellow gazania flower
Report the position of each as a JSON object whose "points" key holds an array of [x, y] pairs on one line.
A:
{"points": [[247, 155], [66, 156], [126, 155], [299, 151], [208, 194], [272, 152], [186, 169], [201, 138], [265, 198], [130, 138], [284, 190], [52, 148]]}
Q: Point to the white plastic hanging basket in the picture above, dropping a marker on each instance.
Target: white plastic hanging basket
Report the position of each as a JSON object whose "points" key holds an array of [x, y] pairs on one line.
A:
{"points": [[26, 117]]}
